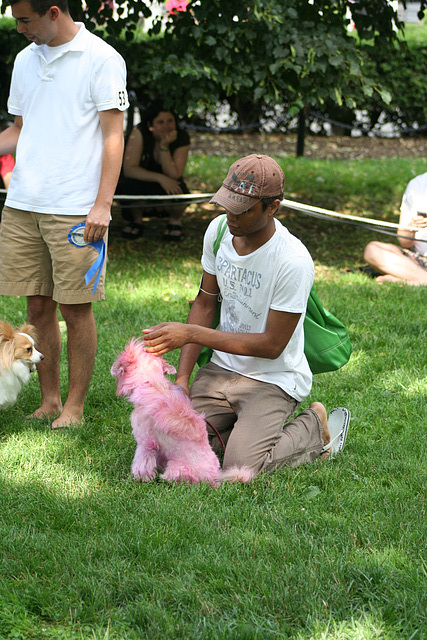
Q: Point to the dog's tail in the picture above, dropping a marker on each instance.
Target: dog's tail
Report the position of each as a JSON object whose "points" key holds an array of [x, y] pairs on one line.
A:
{"points": [[236, 474]]}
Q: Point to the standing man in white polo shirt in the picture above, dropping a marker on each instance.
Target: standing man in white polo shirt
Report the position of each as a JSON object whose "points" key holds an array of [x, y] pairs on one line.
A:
{"points": [[68, 95]]}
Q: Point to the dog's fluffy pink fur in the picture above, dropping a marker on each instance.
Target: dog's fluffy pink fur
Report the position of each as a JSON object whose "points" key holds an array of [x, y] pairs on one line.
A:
{"points": [[168, 432]]}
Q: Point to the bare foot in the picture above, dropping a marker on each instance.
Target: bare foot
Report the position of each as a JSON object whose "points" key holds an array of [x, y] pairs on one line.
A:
{"points": [[68, 419], [45, 412], [388, 278], [321, 412]]}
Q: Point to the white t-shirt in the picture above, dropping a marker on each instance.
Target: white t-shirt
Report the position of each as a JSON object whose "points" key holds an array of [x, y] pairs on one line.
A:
{"points": [[415, 201], [279, 276], [59, 91]]}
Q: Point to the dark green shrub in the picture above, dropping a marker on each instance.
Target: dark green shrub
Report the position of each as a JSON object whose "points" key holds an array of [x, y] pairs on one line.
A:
{"points": [[404, 76], [11, 42], [401, 71]]}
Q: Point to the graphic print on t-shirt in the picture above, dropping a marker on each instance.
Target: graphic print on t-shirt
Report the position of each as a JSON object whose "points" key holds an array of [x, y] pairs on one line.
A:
{"points": [[238, 286]]}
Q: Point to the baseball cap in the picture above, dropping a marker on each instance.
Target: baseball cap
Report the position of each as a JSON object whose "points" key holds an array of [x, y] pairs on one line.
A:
{"points": [[248, 180]]}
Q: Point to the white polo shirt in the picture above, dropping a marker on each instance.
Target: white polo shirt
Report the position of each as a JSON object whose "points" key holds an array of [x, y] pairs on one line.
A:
{"points": [[59, 91]]}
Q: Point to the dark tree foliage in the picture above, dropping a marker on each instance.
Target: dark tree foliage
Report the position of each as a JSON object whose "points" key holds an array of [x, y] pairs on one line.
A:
{"points": [[253, 54]]}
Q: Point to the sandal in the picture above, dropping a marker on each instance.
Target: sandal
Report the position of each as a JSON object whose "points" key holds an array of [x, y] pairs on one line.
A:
{"points": [[338, 423], [173, 233], [133, 230], [366, 269]]}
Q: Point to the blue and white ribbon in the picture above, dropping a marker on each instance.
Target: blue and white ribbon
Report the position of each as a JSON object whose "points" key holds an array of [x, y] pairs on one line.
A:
{"points": [[76, 238]]}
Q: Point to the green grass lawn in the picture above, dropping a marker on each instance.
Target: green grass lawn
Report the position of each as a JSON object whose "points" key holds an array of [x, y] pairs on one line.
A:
{"points": [[332, 550]]}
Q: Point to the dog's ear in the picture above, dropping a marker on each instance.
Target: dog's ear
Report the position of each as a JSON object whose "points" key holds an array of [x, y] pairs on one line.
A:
{"points": [[7, 354], [168, 368], [29, 329], [6, 331], [117, 370]]}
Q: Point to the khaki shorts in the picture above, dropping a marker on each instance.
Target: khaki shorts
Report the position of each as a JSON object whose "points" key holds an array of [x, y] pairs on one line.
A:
{"points": [[37, 259], [255, 420]]}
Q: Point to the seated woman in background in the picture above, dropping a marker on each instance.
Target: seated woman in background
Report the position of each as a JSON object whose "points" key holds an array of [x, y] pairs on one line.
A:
{"points": [[154, 163], [407, 263]]}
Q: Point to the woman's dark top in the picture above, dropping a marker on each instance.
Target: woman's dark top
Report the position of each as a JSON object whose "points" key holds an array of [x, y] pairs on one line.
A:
{"points": [[132, 186], [147, 159]]}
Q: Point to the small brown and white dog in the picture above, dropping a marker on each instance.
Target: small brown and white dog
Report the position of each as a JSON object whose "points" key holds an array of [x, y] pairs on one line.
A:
{"points": [[170, 435], [18, 358]]}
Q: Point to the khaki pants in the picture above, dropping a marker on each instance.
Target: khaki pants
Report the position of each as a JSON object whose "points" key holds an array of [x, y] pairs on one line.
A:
{"points": [[251, 417], [36, 258]]}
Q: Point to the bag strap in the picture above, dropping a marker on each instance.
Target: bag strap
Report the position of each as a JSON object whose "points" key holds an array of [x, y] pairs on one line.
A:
{"points": [[220, 233]]}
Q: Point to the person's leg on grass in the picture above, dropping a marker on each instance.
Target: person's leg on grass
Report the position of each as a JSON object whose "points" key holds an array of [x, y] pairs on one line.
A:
{"points": [[250, 417], [396, 267], [81, 348], [174, 228], [208, 396], [260, 438], [42, 313], [134, 228], [301, 440]]}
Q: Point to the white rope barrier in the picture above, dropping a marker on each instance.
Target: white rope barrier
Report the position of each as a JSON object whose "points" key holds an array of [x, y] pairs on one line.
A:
{"points": [[290, 204], [365, 222], [305, 208], [198, 198]]}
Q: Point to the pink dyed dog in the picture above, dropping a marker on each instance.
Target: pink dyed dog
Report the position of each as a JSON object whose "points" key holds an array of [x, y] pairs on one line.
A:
{"points": [[168, 432]]}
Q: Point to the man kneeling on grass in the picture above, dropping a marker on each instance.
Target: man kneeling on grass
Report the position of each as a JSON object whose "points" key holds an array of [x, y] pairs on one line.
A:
{"points": [[258, 374]]}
